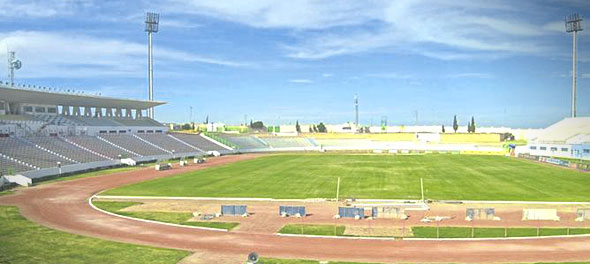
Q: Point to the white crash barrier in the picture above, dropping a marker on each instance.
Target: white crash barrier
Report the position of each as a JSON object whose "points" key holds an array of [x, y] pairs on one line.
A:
{"points": [[540, 214]]}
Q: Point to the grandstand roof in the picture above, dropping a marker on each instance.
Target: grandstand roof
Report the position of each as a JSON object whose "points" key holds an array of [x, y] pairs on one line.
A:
{"points": [[570, 130], [70, 99]]}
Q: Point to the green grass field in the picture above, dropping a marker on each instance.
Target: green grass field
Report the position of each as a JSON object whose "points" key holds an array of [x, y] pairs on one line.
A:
{"points": [[465, 232], [22, 241], [443, 232], [318, 230], [166, 217], [461, 177]]}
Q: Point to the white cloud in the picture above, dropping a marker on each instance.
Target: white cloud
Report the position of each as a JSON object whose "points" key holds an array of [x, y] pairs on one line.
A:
{"points": [[389, 75], [479, 75], [168, 23], [50, 54], [301, 14], [11, 9], [423, 27], [326, 75], [303, 81], [165, 22], [555, 26]]}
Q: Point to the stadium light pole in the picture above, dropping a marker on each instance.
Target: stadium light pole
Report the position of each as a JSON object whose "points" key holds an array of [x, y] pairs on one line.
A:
{"points": [[13, 64], [573, 24], [152, 21]]}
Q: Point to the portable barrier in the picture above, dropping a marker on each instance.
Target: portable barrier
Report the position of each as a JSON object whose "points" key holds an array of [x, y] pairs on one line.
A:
{"points": [[292, 210], [386, 212], [233, 209], [540, 214], [351, 212], [583, 214], [480, 214], [163, 166]]}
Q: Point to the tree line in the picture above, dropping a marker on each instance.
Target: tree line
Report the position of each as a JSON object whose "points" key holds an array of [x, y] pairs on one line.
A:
{"points": [[470, 126]]}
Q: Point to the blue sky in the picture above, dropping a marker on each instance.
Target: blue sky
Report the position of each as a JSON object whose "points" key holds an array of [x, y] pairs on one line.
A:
{"points": [[504, 62]]}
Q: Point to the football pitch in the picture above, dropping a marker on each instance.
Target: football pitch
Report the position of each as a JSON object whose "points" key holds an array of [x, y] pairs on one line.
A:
{"points": [[446, 177]]}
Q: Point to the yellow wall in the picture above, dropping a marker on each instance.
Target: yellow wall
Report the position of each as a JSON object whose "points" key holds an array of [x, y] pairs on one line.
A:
{"points": [[474, 152], [469, 138], [377, 137]]}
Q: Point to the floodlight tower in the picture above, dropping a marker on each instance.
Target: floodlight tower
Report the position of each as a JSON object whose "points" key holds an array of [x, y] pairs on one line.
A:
{"points": [[13, 64], [152, 21], [573, 23]]}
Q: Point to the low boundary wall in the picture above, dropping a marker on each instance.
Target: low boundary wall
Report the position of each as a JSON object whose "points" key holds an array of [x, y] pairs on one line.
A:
{"points": [[48, 173]]}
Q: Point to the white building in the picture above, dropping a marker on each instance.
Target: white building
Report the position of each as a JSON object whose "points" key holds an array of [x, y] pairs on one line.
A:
{"points": [[568, 138]]}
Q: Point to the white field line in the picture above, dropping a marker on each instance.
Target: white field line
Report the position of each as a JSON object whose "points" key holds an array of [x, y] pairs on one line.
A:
{"points": [[119, 197], [492, 238], [381, 201], [520, 202], [151, 221], [468, 202], [432, 239], [338, 237]]}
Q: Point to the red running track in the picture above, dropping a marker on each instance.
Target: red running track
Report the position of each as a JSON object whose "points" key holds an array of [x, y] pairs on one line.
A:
{"points": [[64, 206]]}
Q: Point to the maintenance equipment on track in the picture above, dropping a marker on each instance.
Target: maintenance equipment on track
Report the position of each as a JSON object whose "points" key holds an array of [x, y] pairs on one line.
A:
{"points": [[234, 210], [297, 211], [163, 166], [351, 212], [540, 214], [582, 214], [480, 214]]}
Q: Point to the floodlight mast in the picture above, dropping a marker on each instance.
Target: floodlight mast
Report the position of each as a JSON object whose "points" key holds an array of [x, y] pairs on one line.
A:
{"points": [[573, 23], [152, 21], [10, 58], [13, 64]]}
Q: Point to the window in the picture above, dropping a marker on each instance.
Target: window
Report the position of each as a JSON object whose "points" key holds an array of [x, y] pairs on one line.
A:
{"points": [[140, 131], [28, 109], [564, 149], [102, 132], [543, 148], [150, 131], [51, 110], [553, 148], [113, 132], [122, 131], [39, 109], [158, 131], [533, 147], [586, 150]]}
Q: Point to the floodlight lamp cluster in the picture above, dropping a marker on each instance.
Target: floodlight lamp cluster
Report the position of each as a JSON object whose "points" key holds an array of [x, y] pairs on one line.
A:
{"points": [[573, 23], [152, 21]]}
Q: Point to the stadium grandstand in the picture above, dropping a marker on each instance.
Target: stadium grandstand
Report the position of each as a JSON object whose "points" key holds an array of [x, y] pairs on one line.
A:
{"points": [[568, 138], [45, 133]]}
